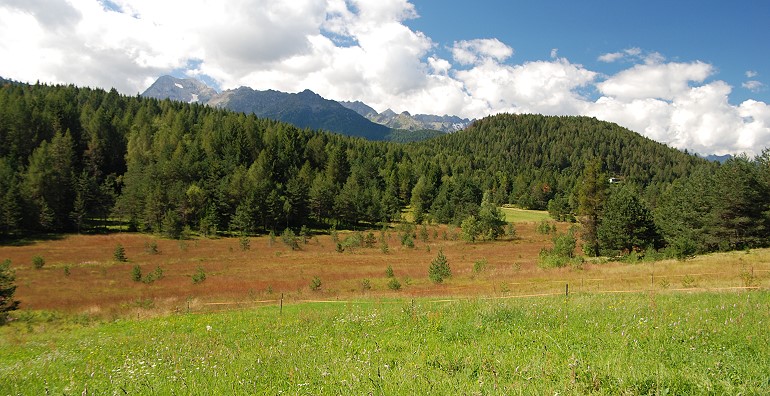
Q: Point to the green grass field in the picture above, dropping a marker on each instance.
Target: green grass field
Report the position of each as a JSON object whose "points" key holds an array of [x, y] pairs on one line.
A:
{"points": [[516, 215], [669, 343]]}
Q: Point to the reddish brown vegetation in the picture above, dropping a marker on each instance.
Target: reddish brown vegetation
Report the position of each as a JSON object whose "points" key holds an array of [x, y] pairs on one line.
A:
{"points": [[96, 282]]}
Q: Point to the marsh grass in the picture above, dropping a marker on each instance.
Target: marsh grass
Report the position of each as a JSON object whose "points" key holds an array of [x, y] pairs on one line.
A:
{"points": [[645, 343]]}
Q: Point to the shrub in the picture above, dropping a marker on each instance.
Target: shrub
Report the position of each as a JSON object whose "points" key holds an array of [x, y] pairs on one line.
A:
{"points": [[156, 274], [423, 233], [439, 268], [119, 254], [199, 275], [67, 270], [510, 231], [315, 283], [245, 243], [370, 240], [389, 271], [394, 284], [136, 273], [366, 284], [304, 233], [546, 227], [384, 246], [407, 240], [480, 265], [38, 262], [151, 248], [290, 239]]}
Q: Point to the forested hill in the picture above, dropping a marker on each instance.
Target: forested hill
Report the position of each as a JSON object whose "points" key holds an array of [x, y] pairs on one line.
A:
{"points": [[530, 159], [70, 156]]}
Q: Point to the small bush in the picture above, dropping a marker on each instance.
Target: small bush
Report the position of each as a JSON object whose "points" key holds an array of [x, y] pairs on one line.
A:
{"points": [[156, 274], [199, 275], [290, 239], [480, 265], [423, 233], [315, 283], [384, 246], [370, 240], [389, 271], [245, 243], [366, 284], [119, 254], [67, 270], [510, 231], [136, 273], [304, 233], [439, 268], [151, 248], [394, 284], [38, 262], [688, 282], [407, 240], [546, 227]]}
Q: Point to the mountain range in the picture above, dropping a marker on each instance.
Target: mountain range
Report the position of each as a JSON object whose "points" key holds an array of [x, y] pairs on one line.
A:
{"points": [[307, 109]]}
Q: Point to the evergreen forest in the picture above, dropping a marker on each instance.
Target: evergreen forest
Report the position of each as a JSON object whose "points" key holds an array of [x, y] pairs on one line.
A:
{"points": [[79, 159]]}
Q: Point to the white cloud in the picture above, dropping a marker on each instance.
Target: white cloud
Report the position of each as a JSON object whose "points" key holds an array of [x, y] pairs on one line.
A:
{"points": [[363, 50], [659, 81], [753, 85], [469, 52]]}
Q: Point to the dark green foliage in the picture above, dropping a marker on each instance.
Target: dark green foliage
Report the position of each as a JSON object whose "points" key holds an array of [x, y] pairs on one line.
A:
{"points": [[592, 191], [394, 284], [315, 283], [626, 223], [7, 290], [151, 248], [471, 228], [72, 157], [245, 243], [562, 253], [199, 275], [290, 239], [119, 254], [389, 271], [439, 268], [480, 266], [366, 284], [38, 262], [136, 273]]}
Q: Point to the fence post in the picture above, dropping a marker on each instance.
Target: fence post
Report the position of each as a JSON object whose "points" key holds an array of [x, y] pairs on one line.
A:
{"points": [[566, 290], [281, 311]]}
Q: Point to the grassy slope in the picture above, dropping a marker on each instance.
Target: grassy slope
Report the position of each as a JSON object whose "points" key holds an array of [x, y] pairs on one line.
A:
{"points": [[516, 215], [607, 344]]}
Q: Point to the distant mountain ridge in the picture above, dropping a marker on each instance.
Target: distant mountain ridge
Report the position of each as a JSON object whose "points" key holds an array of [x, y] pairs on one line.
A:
{"points": [[406, 121], [307, 109], [188, 90]]}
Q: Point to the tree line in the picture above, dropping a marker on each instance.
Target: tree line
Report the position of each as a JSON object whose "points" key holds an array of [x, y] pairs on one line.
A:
{"points": [[74, 159]]}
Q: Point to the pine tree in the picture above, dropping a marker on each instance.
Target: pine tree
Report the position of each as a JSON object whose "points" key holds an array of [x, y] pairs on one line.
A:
{"points": [[439, 268], [7, 290]]}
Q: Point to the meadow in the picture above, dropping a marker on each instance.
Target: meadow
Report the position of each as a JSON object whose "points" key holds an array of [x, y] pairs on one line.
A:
{"points": [[638, 343], [499, 325]]}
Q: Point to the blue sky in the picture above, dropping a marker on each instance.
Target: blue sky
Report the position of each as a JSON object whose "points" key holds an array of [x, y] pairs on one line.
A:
{"points": [[691, 74], [734, 36]]}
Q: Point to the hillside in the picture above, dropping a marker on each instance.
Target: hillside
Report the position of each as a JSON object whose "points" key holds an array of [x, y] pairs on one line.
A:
{"points": [[70, 158]]}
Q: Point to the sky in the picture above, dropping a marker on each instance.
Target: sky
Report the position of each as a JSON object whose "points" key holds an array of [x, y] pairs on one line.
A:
{"points": [[692, 74]]}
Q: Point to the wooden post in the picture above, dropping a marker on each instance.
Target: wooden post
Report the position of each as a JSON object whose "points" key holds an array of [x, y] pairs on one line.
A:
{"points": [[566, 290], [281, 312]]}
